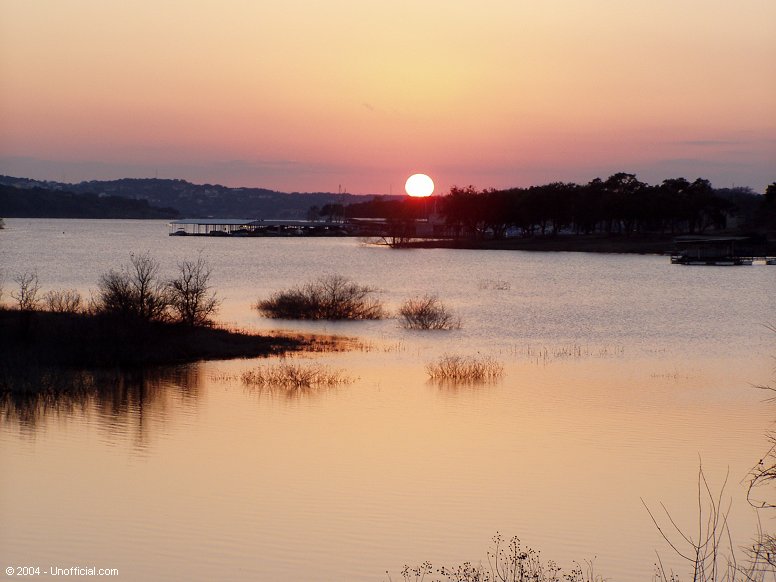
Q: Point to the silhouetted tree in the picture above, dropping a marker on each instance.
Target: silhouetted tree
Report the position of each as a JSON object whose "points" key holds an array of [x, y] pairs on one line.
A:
{"points": [[463, 209], [26, 295], [333, 212], [770, 194], [136, 291], [190, 295], [621, 204], [769, 207], [313, 213]]}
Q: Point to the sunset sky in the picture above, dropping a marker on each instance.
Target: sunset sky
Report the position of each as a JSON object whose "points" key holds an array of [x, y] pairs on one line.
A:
{"points": [[300, 95]]}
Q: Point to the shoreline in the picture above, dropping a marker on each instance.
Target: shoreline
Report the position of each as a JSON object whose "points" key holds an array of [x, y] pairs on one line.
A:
{"points": [[643, 245], [35, 343], [640, 245]]}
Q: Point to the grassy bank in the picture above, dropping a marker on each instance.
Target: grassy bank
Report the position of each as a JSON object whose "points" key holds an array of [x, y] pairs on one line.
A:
{"points": [[41, 340]]}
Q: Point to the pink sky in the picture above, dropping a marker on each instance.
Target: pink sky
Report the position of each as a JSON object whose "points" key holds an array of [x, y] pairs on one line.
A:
{"points": [[317, 96]]}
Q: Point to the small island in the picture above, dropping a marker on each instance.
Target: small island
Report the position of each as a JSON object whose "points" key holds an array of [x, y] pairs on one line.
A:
{"points": [[136, 320]]}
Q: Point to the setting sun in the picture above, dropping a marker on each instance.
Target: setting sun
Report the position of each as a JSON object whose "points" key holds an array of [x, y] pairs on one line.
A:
{"points": [[419, 186]]}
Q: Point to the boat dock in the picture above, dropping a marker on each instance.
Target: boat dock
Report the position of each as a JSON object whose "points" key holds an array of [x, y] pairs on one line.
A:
{"points": [[229, 227], [718, 251]]}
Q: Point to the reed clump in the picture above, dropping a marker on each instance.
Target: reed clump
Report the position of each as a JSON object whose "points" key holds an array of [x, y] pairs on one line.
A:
{"points": [[333, 297], [465, 368], [294, 376], [427, 312]]}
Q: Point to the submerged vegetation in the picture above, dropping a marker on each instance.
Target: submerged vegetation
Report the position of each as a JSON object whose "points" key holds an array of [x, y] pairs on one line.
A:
{"points": [[427, 312], [332, 297], [291, 376], [465, 368]]}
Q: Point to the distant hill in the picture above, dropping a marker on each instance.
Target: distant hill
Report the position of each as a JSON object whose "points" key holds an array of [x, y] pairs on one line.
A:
{"points": [[196, 200], [38, 202]]}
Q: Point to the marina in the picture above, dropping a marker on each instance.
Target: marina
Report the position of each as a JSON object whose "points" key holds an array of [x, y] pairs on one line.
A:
{"points": [[254, 227]]}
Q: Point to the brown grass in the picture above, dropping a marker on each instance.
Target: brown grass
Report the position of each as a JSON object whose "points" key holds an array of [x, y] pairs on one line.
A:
{"points": [[465, 368], [294, 376]]}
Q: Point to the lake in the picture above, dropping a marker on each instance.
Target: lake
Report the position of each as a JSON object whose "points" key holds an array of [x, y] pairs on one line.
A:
{"points": [[622, 374]]}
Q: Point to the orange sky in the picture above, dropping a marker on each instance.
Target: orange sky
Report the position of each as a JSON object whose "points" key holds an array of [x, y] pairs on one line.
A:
{"points": [[305, 95]]}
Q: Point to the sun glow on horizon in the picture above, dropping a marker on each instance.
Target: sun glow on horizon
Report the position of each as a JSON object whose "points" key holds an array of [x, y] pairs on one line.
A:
{"points": [[223, 93], [419, 186]]}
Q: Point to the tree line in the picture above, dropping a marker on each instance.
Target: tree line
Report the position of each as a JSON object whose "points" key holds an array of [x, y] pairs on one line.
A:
{"points": [[618, 205]]}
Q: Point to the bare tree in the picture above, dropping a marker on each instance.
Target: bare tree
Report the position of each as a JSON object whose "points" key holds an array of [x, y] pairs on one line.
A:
{"points": [[27, 295], [135, 291], [190, 295], [63, 301]]}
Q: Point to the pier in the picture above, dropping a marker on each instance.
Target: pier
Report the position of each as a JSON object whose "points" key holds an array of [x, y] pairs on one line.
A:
{"points": [[228, 227], [719, 251]]}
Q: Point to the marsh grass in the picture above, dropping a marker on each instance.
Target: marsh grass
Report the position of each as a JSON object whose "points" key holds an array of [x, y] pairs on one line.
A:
{"points": [[291, 376], [546, 354], [332, 297], [427, 312], [465, 368]]}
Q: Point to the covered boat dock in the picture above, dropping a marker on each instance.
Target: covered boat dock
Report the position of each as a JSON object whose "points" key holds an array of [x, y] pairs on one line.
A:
{"points": [[715, 250], [251, 227]]}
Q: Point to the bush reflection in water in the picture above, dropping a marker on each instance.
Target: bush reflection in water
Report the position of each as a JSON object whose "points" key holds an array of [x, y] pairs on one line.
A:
{"points": [[114, 396]]}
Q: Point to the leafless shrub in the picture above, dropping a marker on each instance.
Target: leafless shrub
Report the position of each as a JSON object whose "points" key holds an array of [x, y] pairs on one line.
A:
{"points": [[710, 553], [465, 368], [427, 312], [63, 301], [191, 299], [332, 297], [135, 291], [293, 376], [27, 295]]}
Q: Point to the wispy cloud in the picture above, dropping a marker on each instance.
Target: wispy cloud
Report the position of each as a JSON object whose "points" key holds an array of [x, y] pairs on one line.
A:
{"points": [[709, 142]]}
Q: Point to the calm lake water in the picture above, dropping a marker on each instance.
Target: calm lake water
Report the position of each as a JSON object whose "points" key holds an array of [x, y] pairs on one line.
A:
{"points": [[621, 372]]}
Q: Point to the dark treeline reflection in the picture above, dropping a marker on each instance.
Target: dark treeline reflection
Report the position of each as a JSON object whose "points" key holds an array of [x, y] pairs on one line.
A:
{"points": [[121, 400]]}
